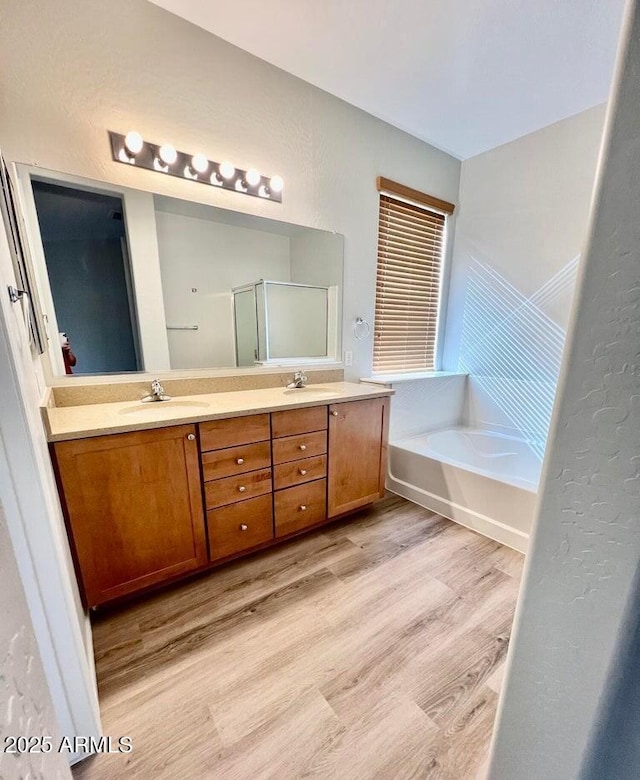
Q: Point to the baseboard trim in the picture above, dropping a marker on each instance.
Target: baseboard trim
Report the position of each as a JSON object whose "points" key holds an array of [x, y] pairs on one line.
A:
{"points": [[487, 526]]}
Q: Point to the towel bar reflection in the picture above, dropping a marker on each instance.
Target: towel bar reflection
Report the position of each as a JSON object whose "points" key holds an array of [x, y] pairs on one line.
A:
{"points": [[183, 327]]}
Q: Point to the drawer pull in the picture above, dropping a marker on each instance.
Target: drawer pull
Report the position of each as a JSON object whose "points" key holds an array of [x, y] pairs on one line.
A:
{"points": [[242, 488], [303, 472], [244, 527], [303, 447], [191, 437], [303, 507], [334, 413], [240, 461]]}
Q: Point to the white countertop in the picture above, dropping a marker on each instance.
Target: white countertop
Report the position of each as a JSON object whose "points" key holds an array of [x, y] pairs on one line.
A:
{"points": [[79, 422]]}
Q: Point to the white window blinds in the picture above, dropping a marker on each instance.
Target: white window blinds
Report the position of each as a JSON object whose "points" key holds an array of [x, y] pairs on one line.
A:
{"points": [[410, 251]]}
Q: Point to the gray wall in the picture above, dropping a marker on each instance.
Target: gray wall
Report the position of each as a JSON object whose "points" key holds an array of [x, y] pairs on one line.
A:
{"points": [[92, 306], [615, 751], [25, 703], [84, 252], [212, 258], [143, 68], [571, 627]]}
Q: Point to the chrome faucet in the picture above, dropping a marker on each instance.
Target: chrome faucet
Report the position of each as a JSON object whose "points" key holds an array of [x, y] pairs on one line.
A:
{"points": [[299, 380], [157, 393]]}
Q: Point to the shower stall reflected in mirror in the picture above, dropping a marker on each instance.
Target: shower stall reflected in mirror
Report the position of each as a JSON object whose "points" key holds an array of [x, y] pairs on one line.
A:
{"points": [[284, 321]]}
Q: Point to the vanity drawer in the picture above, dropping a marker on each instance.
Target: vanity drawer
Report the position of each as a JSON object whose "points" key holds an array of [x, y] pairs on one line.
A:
{"points": [[236, 460], [217, 434], [239, 527], [298, 471], [313, 418], [237, 488], [299, 507], [302, 446]]}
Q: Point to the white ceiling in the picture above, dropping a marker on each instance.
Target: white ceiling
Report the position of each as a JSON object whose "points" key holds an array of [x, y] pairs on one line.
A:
{"points": [[464, 75]]}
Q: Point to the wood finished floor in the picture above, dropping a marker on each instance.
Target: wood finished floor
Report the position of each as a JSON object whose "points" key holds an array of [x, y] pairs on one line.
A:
{"points": [[371, 649]]}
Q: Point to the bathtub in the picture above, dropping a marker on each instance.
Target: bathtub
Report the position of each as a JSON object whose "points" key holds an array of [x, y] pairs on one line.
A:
{"points": [[482, 479]]}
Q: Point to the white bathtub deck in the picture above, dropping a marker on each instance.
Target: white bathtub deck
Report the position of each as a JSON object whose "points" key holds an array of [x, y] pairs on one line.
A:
{"points": [[482, 479], [496, 455]]}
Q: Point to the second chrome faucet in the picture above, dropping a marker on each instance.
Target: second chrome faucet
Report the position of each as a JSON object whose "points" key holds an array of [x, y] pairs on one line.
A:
{"points": [[299, 380], [157, 393]]}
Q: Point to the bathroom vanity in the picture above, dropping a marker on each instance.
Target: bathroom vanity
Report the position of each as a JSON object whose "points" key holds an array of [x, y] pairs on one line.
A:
{"points": [[153, 492]]}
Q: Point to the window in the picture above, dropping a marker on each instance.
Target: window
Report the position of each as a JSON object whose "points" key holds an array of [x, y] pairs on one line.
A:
{"points": [[411, 243]]}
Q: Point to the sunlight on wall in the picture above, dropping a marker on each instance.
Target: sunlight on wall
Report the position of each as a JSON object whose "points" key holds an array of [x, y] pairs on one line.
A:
{"points": [[426, 405], [513, 348]]}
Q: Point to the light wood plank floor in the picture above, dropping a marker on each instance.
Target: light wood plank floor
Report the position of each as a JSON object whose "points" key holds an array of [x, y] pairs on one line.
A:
{"points": [[371, 649]]}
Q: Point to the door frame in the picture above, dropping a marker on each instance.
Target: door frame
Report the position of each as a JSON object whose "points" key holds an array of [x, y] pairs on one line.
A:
{"points": [[34, 520], [25, 176]]}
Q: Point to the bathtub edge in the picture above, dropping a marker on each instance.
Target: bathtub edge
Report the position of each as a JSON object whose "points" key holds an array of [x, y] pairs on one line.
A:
{"points": [[475, 521]]}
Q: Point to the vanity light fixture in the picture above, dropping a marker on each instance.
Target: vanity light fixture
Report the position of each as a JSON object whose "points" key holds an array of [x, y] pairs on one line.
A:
{"points": [[132, 146], [253, 177], [168, 154], [226, 170], [134, 143], [199, 163], [276, 183], [132, 149]]}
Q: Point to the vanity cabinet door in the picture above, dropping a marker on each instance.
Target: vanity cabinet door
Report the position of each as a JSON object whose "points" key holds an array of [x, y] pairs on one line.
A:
{"points": [[133, 506], [357, 454]]}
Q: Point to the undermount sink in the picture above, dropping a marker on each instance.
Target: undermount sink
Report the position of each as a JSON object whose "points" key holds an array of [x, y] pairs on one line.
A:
{"points": [[156, 405], [313, 390]]}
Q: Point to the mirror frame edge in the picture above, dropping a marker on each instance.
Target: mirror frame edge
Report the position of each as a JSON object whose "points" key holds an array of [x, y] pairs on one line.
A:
{"points": [[24, 174]]}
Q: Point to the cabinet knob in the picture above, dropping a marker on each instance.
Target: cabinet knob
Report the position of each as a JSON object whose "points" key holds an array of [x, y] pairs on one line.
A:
{"points": [[303, 472], [334, 413], [303, 447], [242, 488], [191, 437], [244, 527], [303, 508], [240, 461]]}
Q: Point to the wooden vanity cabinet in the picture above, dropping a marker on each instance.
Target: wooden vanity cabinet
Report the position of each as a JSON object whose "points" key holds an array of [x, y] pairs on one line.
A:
{"points": [[133, 505], [300, 464], [358, 432], [146, 507], [238, 485]]}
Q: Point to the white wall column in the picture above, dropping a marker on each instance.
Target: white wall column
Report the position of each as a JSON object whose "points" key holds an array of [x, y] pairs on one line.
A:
{"points": [[585, 550], [34, 522], [140, 217]]}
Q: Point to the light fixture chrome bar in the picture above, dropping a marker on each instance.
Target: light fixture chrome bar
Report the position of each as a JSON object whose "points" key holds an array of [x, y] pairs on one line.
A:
{"points": [[195, 167]]}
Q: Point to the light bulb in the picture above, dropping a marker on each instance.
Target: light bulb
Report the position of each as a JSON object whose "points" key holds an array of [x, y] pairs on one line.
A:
{"points": [[263, 192], [168, 154], [125, 157], [276, 183], [227, 170], [134, 143], [253, 177], [199, 163]]}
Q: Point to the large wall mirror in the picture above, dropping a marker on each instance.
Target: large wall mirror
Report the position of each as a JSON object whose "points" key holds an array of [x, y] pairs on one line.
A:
{"points": [[131, 281]]}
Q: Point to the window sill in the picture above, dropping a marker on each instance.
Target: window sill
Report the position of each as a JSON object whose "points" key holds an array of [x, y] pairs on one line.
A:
{"points": [[392, 379]]}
